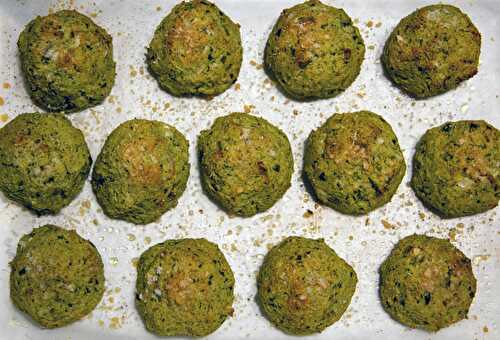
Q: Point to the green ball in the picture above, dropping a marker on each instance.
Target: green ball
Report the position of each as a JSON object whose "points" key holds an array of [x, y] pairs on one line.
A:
{"points": [[67, 61], [456, 168], [304, 287], [142, 171], [246, 163], [56, 277], [354, 163], [196, 50], [432, 51], [314, 51], [427, 283], [44, 161], [184, 288]]}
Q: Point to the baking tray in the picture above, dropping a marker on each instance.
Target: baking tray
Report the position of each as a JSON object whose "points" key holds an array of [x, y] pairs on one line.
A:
{"points": [[363, 241]]}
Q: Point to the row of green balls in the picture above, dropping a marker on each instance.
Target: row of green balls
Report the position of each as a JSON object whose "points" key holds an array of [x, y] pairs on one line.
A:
{"points": [[353, 163], [185, 287], [314, 51]]}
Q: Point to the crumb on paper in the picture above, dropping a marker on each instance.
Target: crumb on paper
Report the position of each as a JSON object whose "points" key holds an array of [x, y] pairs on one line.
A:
{"points": [[84, 207], [421, 215], [248, 108], [387, 224], [476, 260], [256, 65], [266, 218], [115, 323], [4, 117], [308, 213], [452, 235], [457, 230]]}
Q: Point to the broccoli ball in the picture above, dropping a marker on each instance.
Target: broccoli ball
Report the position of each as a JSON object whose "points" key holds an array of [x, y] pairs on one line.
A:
{"points": [[67, 61], [353, 162], [246, 163], [184, 288], [56, 277], [456, 168], [304, 287], [314, 51], [142, 171], [427, 283], [44, 161], [432, 51], [196, 50]]}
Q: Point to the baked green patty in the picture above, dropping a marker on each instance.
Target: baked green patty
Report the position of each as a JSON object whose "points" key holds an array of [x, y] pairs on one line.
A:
{"points": [[314, 51], [142, 171], [67, 61], [353, 162], [56, 277], [184, 288], [44, 161], [303, 286], [432, 51], [196, 50], [427, 283], [456, 168], [246, 163]]}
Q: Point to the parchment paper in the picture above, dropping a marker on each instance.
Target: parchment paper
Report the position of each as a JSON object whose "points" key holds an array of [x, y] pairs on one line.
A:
{"points": [[363, 241]]}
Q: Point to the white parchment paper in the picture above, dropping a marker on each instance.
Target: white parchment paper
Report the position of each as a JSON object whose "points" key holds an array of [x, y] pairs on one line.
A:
{"points": [[363, 241]]}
